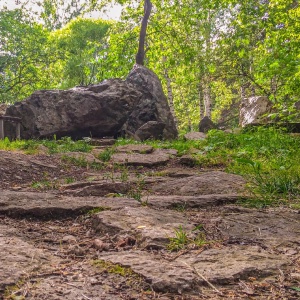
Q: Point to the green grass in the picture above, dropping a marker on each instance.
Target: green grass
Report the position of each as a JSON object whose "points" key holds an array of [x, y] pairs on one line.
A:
{"points": [[182, 239], [268, 158], [81, 162], [105, 155], [97, 210], [63, 145], [29, 146], [182, 146], [45, 184]]}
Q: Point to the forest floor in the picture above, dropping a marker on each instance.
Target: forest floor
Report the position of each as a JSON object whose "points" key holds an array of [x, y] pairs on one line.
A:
{"points": [[142, 225]]}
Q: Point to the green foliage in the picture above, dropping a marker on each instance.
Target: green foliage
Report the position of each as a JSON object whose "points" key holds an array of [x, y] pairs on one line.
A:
{"points": [[65, 144], [97, 210], [183, 240], [23, 56], [267, 157], [105, 155], [136, 192], [182, 146], [81, 161], [204, 52], [81, 50], [114, 268], [45, 184]]}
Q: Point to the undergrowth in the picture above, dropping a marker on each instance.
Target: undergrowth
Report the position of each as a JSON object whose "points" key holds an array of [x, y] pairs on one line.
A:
{"points": [[65, 144], [268, 158]]}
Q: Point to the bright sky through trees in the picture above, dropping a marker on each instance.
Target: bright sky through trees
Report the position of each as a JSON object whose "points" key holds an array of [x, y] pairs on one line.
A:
{"points": [[111, 13]]}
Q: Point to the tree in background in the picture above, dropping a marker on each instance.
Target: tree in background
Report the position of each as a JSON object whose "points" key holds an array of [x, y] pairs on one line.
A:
{"points": [[81, 51], [208, 54], [23, 56]]}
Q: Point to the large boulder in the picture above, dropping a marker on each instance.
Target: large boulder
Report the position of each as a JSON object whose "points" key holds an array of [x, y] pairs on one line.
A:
{"points": [[254, 109], [113, 107], [206, 124]]}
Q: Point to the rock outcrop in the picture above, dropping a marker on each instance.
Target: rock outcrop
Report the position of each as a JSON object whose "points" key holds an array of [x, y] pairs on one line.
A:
{"points": [[111, 108], [253, 110], [206, 124]]}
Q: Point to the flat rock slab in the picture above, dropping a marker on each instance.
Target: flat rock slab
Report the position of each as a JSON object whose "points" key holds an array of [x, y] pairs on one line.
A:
{"points": [[152, 228], [47, 205], [195, 136], [156, 158], [99, 188], [232, 264], [278, 228], [101, 142], [219, 266], [215, 182], [185, 202], [18, 258], [18, 159], [177, 172], [142, 149]]}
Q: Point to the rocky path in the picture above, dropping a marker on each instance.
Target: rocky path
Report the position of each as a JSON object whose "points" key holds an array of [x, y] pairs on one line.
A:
{"points": [[141, 226]]}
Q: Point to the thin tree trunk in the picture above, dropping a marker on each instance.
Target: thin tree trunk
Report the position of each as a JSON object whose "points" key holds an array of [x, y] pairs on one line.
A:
{"points": [[201, 102], [139, 59], [207, 97], [170, 97], [187, 111], [206, 81]]}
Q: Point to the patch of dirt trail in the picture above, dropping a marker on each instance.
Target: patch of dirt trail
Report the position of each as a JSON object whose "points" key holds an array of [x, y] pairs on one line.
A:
{"points": [[147, 227]]}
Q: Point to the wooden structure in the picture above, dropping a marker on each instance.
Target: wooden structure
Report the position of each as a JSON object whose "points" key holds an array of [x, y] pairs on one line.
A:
{"points": [[13, 120]]}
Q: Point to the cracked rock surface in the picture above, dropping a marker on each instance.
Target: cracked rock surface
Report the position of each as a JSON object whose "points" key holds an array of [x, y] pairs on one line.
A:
{"points": [[140, 226]]}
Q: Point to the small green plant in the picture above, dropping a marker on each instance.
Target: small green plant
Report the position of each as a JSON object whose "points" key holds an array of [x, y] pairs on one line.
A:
{"points": [[124, 174], [97, 210], [14, 292], [184, 240], [179, 207], [105, 155], [180, 241], [45, 184], [69, 180], [66, 144], [277, 182], [136, 194], [136, 191], [77, 161]]}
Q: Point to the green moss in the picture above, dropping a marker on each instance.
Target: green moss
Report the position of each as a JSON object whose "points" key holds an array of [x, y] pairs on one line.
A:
{"points": [[114, 268], [97, 210]]}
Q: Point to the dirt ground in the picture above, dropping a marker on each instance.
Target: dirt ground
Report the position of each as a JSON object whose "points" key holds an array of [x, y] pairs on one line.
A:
{"points": [[140, 226]]}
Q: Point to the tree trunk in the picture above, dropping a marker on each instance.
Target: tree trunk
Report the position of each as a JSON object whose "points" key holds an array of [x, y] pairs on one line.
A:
{"points": [[139, 59], [201, 102], [207, 98], [170, 97]]}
